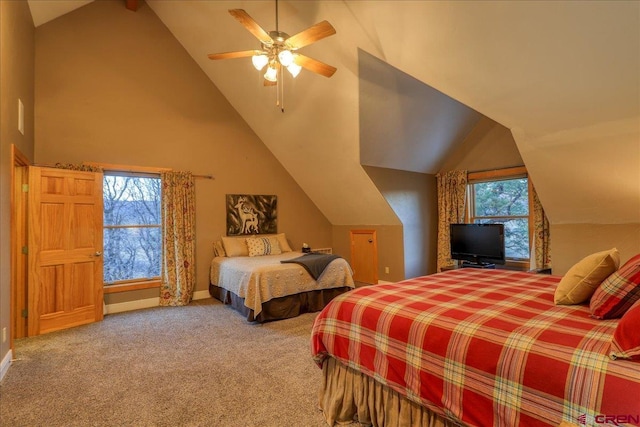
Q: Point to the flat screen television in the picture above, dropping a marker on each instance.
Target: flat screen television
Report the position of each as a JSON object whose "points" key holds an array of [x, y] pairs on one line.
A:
{"points": [[477, 245]]}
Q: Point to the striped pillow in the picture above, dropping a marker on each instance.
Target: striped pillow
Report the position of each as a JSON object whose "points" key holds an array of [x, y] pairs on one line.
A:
{"points": [[626, 339], [259, 246], [618, 292]]}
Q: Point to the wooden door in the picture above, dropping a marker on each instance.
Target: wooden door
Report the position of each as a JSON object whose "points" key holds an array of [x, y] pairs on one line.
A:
{"points": [[65, 249], [364, 256]]}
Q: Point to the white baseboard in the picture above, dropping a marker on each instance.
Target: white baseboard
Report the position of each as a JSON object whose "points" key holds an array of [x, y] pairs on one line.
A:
{"points": [[201, 295], [380, 282], [5, 364], [131, 305], [145, 303]]}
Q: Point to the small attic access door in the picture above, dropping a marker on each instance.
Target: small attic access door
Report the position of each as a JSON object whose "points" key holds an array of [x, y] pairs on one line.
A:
{"points": [[364, 256]]}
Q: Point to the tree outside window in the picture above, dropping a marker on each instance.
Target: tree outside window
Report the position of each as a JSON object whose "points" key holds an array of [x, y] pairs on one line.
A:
{"points": [[504, 201], [132, 230]]}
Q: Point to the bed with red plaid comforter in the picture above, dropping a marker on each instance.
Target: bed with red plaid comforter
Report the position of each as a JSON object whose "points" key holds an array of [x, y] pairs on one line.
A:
{"points": [[484, 347]]}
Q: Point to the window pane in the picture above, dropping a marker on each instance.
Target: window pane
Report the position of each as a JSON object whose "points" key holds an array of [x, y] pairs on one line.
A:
{"points": [[516, 236], [502, 198], [132, 233], [131, 253], [131, 200]]}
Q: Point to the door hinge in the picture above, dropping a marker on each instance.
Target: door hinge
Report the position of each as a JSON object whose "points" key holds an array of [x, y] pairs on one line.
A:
{"points": [[25, 250], [25, 188], [25, 313]]}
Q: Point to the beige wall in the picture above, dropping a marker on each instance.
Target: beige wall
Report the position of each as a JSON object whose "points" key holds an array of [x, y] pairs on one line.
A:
{"points": [[16, 82], [413, 197], [572, 242], [115, 86], [488, 146]]}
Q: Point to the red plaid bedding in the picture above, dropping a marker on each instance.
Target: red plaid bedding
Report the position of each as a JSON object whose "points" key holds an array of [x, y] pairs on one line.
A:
{"points": [[485, 347]]}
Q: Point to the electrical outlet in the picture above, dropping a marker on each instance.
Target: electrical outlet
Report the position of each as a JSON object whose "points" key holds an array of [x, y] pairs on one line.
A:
{"points": [[4, 334]]}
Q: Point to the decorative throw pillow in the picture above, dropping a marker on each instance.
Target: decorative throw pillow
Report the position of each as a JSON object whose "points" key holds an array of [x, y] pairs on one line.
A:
{"points": [[259, 246], [235, 246], [218, 249], [582, 280], [282, 241], [626, 339], [618, 292]]}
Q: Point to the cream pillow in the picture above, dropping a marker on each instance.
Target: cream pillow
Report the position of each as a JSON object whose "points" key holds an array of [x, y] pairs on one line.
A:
{"points": [[282, 240], [235, 246], [582, 280], [259, 246]]}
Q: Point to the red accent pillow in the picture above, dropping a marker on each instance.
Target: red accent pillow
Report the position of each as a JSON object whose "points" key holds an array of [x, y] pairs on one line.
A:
{"points": [[626, 338], [618, 292]]}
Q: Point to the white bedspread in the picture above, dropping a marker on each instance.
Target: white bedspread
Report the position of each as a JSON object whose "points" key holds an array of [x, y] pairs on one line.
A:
{"points": [[262, 278]]}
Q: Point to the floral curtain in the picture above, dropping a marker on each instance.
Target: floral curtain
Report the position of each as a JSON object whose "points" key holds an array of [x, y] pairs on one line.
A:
{"points": [[452, 191], [178, 236], [541, 235], [78, 167]]}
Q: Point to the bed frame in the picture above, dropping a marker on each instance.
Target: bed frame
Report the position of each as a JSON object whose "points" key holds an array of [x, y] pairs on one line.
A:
{"points": [[279, 308]]}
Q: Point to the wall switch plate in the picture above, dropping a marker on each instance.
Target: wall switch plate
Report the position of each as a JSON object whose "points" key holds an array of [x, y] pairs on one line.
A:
{"points": [[20, 116], [386, 270], [4, 334]]}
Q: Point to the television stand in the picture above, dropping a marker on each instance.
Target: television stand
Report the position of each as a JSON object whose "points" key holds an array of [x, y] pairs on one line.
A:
{"points": [[466, 264]]}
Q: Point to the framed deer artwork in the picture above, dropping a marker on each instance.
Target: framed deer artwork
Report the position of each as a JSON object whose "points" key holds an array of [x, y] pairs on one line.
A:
{"points": [[251, 214]]}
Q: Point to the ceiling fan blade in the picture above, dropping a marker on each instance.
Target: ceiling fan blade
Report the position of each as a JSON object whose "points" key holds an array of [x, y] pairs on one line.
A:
{"points": [[314, 65], [251, 25], [231, 55], [310, 35]]}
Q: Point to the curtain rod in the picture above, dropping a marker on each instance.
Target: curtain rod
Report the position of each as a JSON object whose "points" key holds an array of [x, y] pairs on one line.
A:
{"points": [[118, 168], [498, 170]]}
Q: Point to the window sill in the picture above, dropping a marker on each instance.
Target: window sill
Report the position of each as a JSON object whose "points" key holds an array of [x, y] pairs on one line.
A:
{"points": [[515, 265], [131, 286]]}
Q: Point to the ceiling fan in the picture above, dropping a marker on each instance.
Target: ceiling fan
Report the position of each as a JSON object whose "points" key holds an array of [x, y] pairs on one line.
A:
{"points": [[279, 50]]}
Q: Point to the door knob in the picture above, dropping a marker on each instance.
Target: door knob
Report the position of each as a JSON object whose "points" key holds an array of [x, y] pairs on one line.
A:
{"points": [[370, 241], [98, 253]]}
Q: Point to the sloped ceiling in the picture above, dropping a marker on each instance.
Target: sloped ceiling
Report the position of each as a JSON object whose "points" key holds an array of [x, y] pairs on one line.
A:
{"points": [[564, 76], [43, 11], [404, 123]]}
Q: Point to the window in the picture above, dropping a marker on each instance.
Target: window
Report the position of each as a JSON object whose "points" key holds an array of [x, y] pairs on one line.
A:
{"points": [[132, 227], [502, 197]]}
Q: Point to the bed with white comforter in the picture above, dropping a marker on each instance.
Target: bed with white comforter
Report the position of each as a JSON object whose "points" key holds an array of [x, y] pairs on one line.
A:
{"points": [[264, 288]]}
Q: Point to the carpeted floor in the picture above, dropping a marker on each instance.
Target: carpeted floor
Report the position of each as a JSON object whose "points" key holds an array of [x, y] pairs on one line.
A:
{"points": [[199, 365]]}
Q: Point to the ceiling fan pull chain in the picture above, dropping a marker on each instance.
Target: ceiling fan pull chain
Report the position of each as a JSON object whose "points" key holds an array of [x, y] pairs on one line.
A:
{"points": [[282, 92]]}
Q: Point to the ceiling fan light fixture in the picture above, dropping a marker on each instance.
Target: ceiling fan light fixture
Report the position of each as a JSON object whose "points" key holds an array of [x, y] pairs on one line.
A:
{"points": [[285, 57], [278, 50], [294, 69], [259, 61], [271, 74]]}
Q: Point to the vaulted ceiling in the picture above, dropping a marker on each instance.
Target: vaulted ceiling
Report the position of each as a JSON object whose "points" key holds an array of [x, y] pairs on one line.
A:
{"points": [[564, 76]]}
